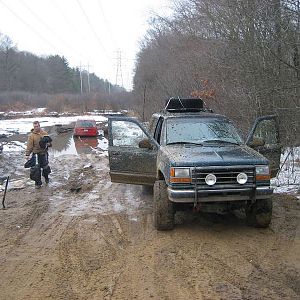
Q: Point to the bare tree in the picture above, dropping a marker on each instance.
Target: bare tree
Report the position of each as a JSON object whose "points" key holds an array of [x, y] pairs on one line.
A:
{"points": [[248, 51]]}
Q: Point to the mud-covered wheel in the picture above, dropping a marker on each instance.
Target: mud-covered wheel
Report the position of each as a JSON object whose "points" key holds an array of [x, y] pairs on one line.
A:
{"points": [[259, 214], [163, 207]]}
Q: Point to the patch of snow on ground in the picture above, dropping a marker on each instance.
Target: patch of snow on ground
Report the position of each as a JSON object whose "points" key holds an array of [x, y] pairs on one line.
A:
{"points": [[14, 146], [24, 125], [102, 144], [288, 178], [35, 111]]}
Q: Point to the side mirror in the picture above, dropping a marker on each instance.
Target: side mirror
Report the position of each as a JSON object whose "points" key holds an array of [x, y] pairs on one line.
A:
{"points": [[257, 142], [145, 143]]}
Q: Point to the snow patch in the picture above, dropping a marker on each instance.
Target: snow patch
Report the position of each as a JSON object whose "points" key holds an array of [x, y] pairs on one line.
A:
{"points": [[14, 146], [288, 178], [24, 125]]}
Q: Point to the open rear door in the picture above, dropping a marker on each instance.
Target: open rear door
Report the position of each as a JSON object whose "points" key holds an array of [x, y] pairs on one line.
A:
{"points": [[264, 138], [129, 161]]}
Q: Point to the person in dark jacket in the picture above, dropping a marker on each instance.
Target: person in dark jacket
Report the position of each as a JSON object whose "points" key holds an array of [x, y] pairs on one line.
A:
{"points": [[37, 145]]}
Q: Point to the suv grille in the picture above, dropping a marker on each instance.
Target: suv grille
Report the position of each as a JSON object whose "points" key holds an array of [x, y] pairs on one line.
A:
{"points": [[226, 177]]}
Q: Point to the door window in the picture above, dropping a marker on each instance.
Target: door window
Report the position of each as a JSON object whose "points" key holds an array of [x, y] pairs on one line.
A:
{"points": [[267, 130], [126, 134]]}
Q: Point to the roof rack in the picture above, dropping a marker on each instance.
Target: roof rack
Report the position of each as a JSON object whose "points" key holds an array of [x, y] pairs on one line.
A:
{"points": [[181, 105]]}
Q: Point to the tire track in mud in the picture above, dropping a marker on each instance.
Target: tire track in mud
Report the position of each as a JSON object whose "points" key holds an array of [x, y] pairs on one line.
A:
{"points": [[31, 248], [22, 224], [194, 266], [127, 233], [255, 262], [68, 263], [90, 253], [207, 262], [278, 268], [106, 247], [138, 261]]}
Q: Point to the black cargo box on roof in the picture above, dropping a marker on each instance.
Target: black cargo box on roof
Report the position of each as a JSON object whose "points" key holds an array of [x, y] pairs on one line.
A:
{"points": [[184, 105]]}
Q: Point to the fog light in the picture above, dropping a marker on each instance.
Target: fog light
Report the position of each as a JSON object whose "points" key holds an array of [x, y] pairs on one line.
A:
{"points": [[242, 178], [210, 179]]}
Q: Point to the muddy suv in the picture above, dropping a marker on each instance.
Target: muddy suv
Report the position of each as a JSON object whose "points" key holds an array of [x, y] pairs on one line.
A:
{"points": [[196, 159]]}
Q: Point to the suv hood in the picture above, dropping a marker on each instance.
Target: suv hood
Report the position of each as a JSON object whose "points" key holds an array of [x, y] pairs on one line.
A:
{"points": [[185, 155]]}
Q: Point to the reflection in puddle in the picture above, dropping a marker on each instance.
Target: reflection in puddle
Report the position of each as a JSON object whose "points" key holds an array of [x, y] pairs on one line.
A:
{"points": [[85, 144], [65, 143]]}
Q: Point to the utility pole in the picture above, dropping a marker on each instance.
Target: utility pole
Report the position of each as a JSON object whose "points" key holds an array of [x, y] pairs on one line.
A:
{"points": [[80, 79], [88, 77], [81, 72]]}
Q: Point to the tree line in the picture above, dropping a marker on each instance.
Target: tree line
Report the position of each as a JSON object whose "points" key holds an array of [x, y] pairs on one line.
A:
{"points": [[240, 56], [29, 80]]}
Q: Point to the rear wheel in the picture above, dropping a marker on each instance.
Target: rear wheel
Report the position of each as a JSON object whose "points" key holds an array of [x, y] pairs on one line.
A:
{"points": [[259, 214], [163, 207]]}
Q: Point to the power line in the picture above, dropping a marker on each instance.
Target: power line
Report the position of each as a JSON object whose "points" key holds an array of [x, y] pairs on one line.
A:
{"points": [[50, 29], [64, 16], [37, 33], [29, 26], [107, 25], [93, 30]]}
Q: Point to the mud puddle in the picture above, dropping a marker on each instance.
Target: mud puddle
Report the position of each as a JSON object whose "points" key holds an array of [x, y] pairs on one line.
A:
{"points": [[65, 144]]}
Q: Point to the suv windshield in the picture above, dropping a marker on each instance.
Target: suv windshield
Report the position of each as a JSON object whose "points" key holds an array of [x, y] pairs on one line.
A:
{"points": [[200, 131]]}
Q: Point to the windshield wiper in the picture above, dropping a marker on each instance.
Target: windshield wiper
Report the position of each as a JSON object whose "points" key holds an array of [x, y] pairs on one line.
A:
{"points": [[221, 141], [190, 143]]}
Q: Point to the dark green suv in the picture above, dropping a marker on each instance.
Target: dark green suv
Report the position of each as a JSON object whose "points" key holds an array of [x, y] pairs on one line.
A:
{"points": [[196, 159]]}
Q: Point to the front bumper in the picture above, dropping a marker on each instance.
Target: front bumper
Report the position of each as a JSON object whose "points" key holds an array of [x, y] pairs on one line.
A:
{"points": [[238, 194]]}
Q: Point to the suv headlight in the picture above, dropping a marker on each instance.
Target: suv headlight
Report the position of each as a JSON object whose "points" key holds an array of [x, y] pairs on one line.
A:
{"points": [[180, 175], [262, 173]]}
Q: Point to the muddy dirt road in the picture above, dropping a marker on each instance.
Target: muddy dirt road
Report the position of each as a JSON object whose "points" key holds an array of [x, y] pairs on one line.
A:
{"points": [[82, 237]]}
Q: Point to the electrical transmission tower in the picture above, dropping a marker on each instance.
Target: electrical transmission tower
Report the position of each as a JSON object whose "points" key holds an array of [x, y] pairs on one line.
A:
{"points": [[119, 76]]}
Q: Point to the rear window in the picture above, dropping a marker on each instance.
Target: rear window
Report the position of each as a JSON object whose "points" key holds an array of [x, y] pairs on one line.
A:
{"points": [[85, 123]]}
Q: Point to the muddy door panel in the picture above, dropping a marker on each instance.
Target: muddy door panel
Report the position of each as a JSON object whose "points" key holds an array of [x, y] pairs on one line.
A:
{"points": [[264, 138], [132, 152]]}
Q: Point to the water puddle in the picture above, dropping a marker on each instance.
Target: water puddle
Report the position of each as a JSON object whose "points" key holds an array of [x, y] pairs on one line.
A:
{"points": [[67, 144]]}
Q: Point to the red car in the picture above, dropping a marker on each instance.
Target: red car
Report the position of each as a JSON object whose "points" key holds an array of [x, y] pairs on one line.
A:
{"points": [[85, 128]]}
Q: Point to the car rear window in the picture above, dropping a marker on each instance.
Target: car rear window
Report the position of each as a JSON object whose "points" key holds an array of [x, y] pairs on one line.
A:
{"points": [[85, 123]]}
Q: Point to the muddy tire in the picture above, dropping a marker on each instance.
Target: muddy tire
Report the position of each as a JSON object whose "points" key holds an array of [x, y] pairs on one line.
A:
{"points": [[163, 207], [259, 214]]}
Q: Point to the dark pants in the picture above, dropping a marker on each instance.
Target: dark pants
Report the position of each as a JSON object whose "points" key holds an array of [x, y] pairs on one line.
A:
{"points": [[35, 172]]}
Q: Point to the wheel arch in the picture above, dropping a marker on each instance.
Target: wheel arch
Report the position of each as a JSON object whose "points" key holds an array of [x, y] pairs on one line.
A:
{"points": [[160, 175]]}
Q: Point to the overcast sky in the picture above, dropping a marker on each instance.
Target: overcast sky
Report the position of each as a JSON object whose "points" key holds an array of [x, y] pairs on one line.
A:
{"points": [[86, 32]]}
